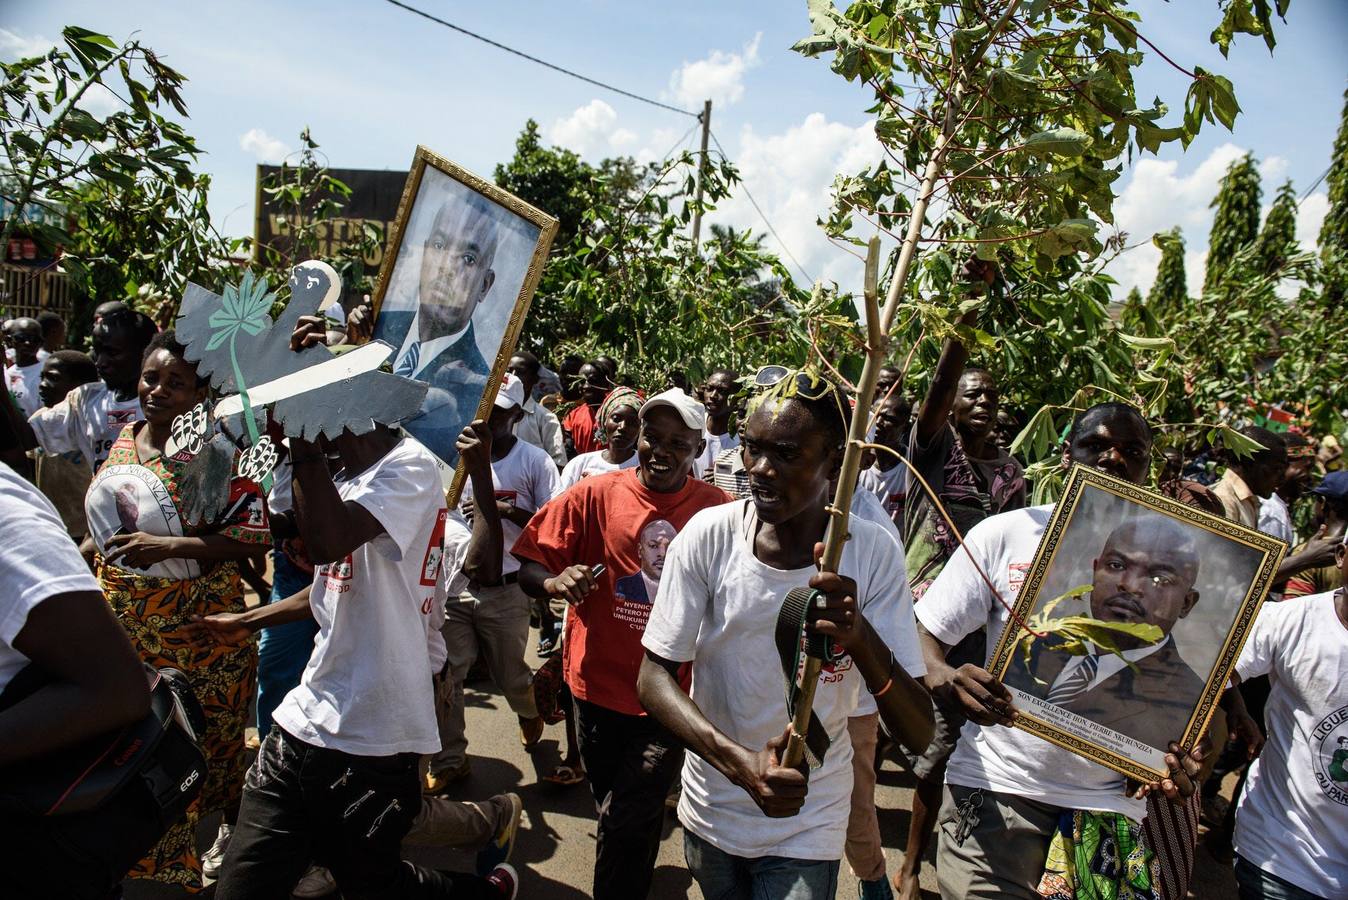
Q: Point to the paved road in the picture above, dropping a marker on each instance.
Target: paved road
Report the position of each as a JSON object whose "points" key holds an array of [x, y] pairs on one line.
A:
{"points": [[555, 849]]}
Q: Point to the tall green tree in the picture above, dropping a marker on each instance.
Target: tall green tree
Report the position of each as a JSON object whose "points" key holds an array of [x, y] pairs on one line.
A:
{"points": [[1278, 238], [1236, 224], [1334, 230], [1170, 291]]}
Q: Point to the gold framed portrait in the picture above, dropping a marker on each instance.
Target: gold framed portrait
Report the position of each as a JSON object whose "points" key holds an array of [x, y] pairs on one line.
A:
{"points": [[465, 259], [1130, 621]]}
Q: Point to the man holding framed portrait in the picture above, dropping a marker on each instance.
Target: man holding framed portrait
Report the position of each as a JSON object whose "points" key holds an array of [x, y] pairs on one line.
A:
{"points": [[1016, 807]]}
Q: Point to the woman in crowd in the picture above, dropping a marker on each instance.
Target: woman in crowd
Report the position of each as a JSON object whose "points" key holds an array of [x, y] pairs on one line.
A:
{"points": [[158, 570]]}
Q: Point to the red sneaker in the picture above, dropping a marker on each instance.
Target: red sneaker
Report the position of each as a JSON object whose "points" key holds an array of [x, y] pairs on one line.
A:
{"points": [[506, 880]]}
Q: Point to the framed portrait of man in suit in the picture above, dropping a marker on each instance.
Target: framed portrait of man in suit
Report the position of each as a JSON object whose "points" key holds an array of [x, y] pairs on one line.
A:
{"points": [[1129, 621], [465, 260]]}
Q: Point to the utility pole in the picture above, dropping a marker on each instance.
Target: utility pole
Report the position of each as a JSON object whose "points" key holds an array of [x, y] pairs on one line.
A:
{"points": [[701, 166]]}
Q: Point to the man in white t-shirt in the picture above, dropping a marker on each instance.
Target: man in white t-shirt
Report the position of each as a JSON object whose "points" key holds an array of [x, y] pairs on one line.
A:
{"points": [[53, 616], [21, 378], [91, 417], [539, 426], [718, 395], [336, 781], [490, 618], [887, 479], [1006, 790], [1292, 819], [753, 827]]}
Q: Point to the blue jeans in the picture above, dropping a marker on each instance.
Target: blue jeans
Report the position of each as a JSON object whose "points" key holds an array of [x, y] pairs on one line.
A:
{"points": [[1256, 884], [283, 651], [725, 877]]}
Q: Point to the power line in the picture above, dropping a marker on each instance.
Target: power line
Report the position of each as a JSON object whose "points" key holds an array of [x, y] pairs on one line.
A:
{"points": [[535, 59], [764, 217], [1315, 184]]}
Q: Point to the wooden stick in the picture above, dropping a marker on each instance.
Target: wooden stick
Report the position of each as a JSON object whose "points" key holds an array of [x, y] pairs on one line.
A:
{"points": [[877, 328]]}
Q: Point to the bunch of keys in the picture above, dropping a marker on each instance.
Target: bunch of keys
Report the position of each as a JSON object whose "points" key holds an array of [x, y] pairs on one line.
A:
{"points": [[968, 816]]}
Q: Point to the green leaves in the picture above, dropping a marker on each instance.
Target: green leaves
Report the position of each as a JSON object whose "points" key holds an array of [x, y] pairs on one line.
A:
{"points": [[246, 307], [1247, 17], [1070, 236], [1058, 142], [1211, 98], [123, 178]]}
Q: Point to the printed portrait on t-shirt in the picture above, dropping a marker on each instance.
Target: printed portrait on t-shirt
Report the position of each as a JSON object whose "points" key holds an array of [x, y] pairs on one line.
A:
{"points": [[126, 499], [653, 544]]}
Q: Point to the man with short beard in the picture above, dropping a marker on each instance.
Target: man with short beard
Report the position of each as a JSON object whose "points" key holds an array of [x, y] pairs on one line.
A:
{"points": [[624, 520], [1007, 791], [1145, 573]]}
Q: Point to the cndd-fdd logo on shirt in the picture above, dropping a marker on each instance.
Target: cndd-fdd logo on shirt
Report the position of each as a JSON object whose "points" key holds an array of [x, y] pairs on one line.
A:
{"points": [[1329, 747]]}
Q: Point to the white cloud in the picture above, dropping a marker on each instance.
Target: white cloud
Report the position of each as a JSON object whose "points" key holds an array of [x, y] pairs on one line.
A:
{"points": [[622, 138], [266, 148], [1310, 217], [791, 174], [1158, 197], [14, 46], [588, 129], [719, 77]]}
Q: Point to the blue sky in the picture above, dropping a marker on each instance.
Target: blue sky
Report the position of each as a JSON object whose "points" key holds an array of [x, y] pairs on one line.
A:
{"points": [[372, 81]]}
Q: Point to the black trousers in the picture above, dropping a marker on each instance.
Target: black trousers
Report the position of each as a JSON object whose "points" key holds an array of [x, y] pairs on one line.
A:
{"points": [[631, 762], [348, 813]]}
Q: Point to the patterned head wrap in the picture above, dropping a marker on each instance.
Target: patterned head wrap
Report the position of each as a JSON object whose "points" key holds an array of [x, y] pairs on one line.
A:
{"points": [[616, 399]]}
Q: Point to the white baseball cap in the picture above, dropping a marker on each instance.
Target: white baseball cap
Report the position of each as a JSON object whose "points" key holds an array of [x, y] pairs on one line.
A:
{"points": [[511, 393], [694, 414]]}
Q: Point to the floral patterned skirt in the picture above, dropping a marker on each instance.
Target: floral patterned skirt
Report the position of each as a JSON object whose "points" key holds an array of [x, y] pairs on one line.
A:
{"points": [[153, 610]]}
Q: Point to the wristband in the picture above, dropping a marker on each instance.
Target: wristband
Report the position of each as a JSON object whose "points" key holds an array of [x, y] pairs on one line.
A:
{"points": [[889, 682]]}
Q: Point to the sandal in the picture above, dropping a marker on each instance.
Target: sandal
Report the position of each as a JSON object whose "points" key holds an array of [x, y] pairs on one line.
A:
{"points": [[565, 775]]}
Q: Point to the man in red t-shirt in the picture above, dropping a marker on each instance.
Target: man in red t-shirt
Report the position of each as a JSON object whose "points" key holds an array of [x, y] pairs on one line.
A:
{"points": [[581, 422], [625, 520]]}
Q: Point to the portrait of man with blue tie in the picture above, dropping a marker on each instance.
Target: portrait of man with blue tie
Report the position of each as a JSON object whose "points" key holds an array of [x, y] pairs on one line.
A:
{"points": [[1145, 573], [452, 296]]}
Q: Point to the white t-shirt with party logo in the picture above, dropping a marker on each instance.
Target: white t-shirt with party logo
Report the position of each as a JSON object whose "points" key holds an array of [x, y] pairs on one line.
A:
{"points": [[1292, 819], [367, 687], [889, 487], [87, 422], [717, 607], [527, 477], [22, 382], [587, 464], [998, 757]]}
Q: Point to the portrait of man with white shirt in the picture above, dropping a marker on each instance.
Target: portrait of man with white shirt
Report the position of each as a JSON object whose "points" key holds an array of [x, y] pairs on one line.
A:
{"points": [[1145, 573]]}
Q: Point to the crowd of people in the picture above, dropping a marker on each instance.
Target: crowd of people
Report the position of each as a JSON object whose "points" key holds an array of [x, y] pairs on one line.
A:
{"points": [[648, 533]]}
